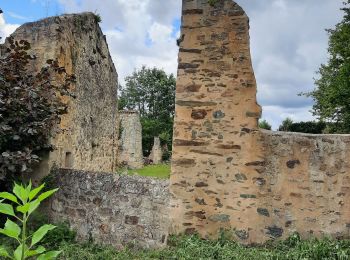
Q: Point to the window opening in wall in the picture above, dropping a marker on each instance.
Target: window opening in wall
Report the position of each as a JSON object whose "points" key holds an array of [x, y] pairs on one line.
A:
{"points": [[68, 160]]}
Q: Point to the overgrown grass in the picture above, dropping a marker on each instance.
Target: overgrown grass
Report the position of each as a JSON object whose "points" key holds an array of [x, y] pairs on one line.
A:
{"points": [[161, 171], [193, 248]]}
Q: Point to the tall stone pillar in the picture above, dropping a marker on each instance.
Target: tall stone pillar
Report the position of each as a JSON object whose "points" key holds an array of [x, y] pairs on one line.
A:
{"points": [[130, 139], [215, 160], [156, 154]]}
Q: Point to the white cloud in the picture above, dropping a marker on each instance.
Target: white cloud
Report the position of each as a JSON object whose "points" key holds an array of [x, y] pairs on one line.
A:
{"points": [[139, 32], [5, 28], [289, 43]]}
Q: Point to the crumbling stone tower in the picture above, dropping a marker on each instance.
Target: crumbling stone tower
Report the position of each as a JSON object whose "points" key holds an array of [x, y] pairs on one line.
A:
{"points": [[216, 118], [88, 132]]}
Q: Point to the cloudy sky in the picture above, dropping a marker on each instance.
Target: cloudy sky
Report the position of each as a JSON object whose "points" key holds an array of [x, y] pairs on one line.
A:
{"points": [[288, 40]]}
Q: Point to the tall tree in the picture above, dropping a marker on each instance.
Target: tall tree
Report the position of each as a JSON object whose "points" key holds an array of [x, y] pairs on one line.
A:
{"points": [[151, 92], [332, 93]]}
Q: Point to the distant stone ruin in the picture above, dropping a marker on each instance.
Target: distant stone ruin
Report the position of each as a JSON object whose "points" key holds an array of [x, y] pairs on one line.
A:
{"points": [[228, 174], [130, 140], [156, 155]]}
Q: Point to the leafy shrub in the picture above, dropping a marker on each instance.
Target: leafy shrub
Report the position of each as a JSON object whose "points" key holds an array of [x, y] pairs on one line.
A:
{"points": [[27, 200], [31, 105]]}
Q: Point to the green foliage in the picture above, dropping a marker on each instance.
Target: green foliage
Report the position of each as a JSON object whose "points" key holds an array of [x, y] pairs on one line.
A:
{"points": [[61, 234], [193, 248], [212, 2], [286, 125], [161, 171], [152, 93], [31, 106], [26, 201], [263, 124], [98, 18], [309, 127], [332, 93]]}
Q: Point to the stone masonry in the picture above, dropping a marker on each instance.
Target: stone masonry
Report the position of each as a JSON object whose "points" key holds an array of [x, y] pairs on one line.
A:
{"points": [[157, 153], [130, 140], [112, 209], [304, 185], [216, 121], [88, 132], [228, 174]]}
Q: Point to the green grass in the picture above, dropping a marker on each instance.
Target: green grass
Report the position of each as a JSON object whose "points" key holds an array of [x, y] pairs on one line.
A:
{"points": [[161, 171], [194, 248]]}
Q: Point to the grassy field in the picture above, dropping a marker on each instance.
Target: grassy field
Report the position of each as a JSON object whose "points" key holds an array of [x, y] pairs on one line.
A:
{"points": [[161, 171]]}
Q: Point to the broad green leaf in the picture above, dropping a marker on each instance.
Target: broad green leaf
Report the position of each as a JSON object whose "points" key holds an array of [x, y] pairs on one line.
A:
{"points": [[8, 233], [23, 209], [28, 207], [33, 206], [49, 255], [8, 196], [40, 233], [46, 194], [37, 251], [7, 209], [18, 252], [4, 253], [21, 193], [35, 192], [11, 229]]}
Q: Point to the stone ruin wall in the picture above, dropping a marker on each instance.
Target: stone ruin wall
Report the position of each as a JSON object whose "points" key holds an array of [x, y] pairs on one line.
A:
{"points": [[112, 209], [130, 140], [88, 132], [226, 173]]}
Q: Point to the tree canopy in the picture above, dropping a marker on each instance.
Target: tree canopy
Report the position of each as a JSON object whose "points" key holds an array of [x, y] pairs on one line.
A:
{"points": [[263, 124], [151, 92], [310, 127], [332, 93]]}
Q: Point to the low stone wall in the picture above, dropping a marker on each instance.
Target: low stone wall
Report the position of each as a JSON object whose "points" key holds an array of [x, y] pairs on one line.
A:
{"points": [[112, 209], [304, 185]]}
